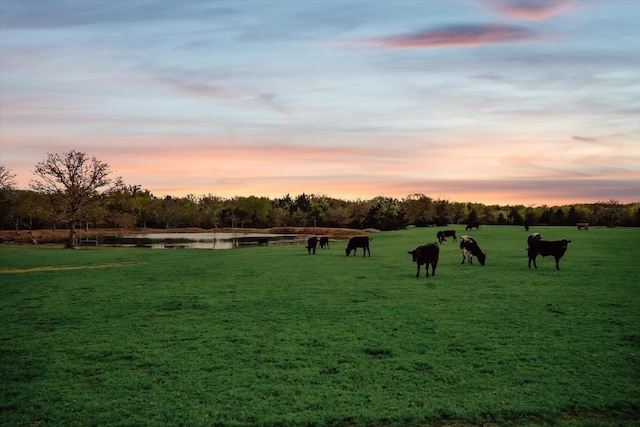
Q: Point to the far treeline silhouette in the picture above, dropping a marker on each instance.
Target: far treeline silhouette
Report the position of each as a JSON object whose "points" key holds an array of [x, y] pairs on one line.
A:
{"points": [[72, 190]]}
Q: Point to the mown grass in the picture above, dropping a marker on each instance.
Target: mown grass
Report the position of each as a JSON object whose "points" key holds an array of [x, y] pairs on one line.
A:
{"points": [[274, 336]]}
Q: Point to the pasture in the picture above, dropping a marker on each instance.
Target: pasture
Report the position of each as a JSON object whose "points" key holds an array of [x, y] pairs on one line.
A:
{"points": [[273, 336]]}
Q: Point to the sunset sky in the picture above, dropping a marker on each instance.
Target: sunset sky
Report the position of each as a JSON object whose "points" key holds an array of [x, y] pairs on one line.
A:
{"points": [[508, 101]]}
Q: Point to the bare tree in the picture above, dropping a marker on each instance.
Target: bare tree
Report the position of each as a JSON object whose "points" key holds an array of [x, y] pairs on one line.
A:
{"points": [[6, 178], [74, 179]]}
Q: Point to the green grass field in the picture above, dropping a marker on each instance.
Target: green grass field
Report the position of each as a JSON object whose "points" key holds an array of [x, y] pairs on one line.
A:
{"points": [[273, 336]]}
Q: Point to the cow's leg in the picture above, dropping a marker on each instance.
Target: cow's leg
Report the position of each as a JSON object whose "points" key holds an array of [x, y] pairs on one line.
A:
{"points": [[433, 268], [418, 272], [463, 258], [557, 265]]}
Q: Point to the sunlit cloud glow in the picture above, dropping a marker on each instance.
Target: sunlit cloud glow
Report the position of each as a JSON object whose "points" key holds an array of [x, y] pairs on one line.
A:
{"points": [[506, 102], [456, 36], [534, 10]]}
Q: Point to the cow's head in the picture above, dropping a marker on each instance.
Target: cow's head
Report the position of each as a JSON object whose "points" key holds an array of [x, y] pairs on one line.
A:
{"points": [[414, 255], [482, 257], [565, 243]]}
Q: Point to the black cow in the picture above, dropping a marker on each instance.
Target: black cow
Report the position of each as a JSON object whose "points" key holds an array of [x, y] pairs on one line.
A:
{"points": [[442, 235], [542, 247], [358, 242], [312, 244], [324, 241], [263, 241], [471, 249], [426, 254], [473, 225]]}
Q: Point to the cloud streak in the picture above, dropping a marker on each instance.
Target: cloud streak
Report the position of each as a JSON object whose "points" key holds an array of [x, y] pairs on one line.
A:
{"points": [[471, 35], [532, 10]]}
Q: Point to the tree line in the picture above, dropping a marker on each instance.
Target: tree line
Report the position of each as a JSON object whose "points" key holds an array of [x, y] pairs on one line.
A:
{"points": [[72, 190]]}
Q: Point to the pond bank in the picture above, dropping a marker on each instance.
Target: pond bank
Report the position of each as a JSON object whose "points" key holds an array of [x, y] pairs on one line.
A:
{"points": [[60, 235]]}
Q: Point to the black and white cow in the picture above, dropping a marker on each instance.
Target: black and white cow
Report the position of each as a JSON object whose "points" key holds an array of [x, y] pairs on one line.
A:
{"points": [[442, 235], [532, 237], [428, 255], [358, 242], [542, 247], [471, 249]]}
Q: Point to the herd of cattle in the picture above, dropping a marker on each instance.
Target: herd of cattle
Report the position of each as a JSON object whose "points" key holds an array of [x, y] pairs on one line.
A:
{"points": [[428, 254]]}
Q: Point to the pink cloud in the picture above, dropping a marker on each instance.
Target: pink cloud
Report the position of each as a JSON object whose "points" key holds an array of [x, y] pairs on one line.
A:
{"points": [[533, 10], [457, 36]]}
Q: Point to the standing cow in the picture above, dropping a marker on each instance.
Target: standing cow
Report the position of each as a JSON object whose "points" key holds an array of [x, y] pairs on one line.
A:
{"points": [[428, 255], [358, 242], [312, 244], [542, 247], [442, 235], [324, 241]]}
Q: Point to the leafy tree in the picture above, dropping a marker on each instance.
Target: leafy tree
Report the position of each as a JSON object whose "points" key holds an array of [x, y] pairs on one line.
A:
{"points": [[501, 219], [386, 213], [572, 217], [443, 212], [530, 216], [419, 210], [514, 215], [285, 206], [473, 216], [558, 217], [607, 213], [75, 180], [211, 207]]}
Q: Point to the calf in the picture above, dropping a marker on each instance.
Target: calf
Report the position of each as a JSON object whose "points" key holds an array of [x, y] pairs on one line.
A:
{"points": [[473, 225], [471, 249], [324, 241], [312, 244], [442, 235], [542, 247], [426, 254], [358, 242]]}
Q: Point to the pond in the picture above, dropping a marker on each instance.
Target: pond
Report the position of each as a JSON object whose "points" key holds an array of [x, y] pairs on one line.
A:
{"points": [[198, 240]]}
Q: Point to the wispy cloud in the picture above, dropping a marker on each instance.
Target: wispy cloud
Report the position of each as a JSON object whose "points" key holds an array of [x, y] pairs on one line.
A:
{"points": [[532, 10], [472, 35]]}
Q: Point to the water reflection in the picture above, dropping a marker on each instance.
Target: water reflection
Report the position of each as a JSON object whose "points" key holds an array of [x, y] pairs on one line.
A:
{"points": [[197, 240]]}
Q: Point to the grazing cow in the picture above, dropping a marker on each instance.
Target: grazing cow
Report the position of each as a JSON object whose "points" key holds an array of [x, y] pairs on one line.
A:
{"points": [[471, 249], [442, 235], [324, 241], [312, 244], [358, 242], [263, 241], [473, 225], [428, 255], [542, 247]]}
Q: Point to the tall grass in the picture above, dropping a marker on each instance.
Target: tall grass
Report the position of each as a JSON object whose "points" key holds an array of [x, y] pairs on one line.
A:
{"points": [[274, 336]]}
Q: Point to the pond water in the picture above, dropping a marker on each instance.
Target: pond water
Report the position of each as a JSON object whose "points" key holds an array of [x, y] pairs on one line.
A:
{"points": [[198, 240]]}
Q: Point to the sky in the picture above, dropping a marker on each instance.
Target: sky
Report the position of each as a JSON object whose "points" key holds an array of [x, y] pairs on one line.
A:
{"points": [[533, 102]]}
